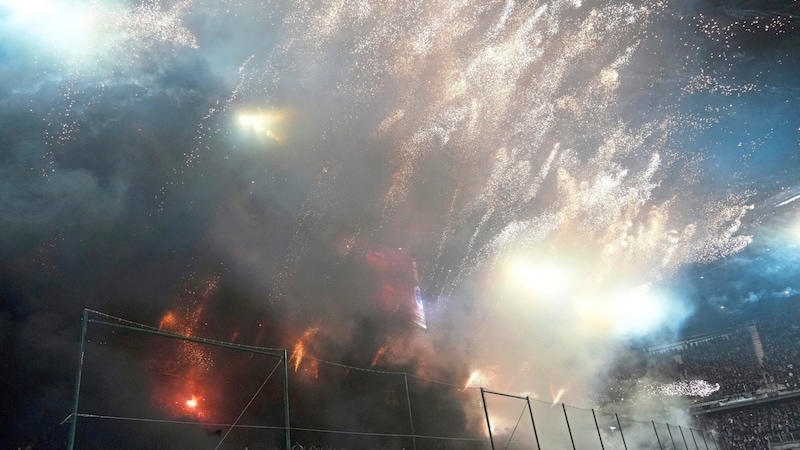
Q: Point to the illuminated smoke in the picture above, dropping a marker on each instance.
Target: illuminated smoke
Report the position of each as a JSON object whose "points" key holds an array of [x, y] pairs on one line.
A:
{"points": [[556, 395], [184, 319], [301, 347], [492, 132], [476, 379], [378, 356]]}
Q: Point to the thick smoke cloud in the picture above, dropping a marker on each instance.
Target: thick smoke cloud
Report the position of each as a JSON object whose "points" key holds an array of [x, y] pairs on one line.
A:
{"points": [[626, 143]]}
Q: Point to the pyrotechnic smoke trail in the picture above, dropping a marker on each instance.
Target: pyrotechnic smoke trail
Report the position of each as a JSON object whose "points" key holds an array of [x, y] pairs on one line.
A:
{"points": [[494, 85], [557, 394], [489, 85], [476, 378], [301, 347]]}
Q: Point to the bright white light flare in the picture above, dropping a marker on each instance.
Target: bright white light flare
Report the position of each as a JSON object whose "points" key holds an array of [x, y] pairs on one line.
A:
{"points": [[540, 278]]}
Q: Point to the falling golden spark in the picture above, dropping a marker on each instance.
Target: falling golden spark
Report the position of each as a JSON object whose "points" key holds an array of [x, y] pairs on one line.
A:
{"points": [[300, 348]]}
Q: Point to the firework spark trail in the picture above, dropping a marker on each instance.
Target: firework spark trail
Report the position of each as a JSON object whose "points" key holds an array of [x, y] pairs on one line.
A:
{"points": [[446, 232], [476, 378], [510, 87], [319, 201], [504, 85], [301, 347], [556, 395], [184, 318], [690, 388], [94, 47]]}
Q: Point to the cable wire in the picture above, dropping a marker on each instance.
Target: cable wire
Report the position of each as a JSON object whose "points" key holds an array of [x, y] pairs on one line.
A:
{"points": [[248, 405]]}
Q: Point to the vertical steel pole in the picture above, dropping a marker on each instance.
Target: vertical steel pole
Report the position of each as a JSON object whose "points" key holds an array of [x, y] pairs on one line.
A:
{"points": [[671, 438], [684, 437], [73, 424], [286, 399], [486, 411], [620, 431], [410, 416], [705, 442], [568, 428], [535, 434], [656, 432], [602, 447], [691, 431]]}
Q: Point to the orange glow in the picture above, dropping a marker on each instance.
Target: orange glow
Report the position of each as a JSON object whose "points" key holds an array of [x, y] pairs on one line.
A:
{"points": [[181, 371], [378, 355], [168, 321], [297, 354], [476, 378], [300, 347]]}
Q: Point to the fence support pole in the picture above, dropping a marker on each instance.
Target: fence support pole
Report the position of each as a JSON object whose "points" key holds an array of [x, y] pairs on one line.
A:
{"points": [[486, 411], [73, 424], [286, 399], [410, 416], [568, 427], [684, 438], [535, 434], [691, 431], [620, 431], [658, 439], [602, 447], [671, 438], [705, 442]]}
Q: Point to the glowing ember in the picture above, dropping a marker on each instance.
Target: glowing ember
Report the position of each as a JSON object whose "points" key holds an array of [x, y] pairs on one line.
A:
{"points": [[191, 403], [168, 322], [300, 347], [476, 379], [557, 395], [378, 355]]}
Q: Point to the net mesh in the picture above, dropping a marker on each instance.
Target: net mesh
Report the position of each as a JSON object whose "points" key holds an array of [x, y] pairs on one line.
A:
{"points": [[148, 388]]}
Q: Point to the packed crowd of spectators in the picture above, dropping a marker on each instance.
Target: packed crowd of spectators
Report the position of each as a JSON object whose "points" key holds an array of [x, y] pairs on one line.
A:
{"points": [[728, 359], [751, 427], [757, 359], [780, 335]]}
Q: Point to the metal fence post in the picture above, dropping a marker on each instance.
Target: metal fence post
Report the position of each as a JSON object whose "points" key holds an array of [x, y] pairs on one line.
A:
{"points": [[568, 427], [656, 432], [410, 416], [73, 425], [602, 447], [620, 431], [488, 424], [535, 434]]}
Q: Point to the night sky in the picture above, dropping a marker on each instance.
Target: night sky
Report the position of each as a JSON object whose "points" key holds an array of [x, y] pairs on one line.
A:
{"points": [[569, 177]]}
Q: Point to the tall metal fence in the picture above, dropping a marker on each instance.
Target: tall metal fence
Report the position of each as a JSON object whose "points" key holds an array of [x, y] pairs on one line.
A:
{"points": [[139, 386]]}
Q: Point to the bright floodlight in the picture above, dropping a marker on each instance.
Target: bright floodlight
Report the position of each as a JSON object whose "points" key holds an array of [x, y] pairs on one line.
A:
{"points": [[54, 24], [258, 122], [638, 311], [540, 278], [263, 124]]}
